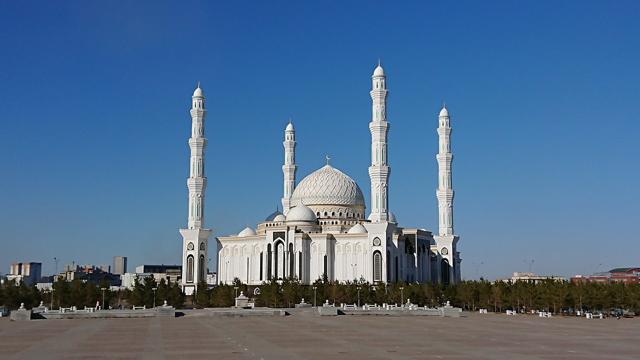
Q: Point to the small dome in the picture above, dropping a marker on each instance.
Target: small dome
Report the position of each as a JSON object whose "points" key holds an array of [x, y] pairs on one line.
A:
{"points": [[279, 218], [444, 112], [247, 232], [301, 213], [392, 218], [357, 229], [290, 127], [198, 92], [272, 216], [379, 71]]}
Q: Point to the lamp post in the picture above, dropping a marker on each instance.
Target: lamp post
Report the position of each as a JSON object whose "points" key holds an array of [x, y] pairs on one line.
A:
{"points": [[235, 288], [154, 296], [402, 296], [314, 295], [103, 290], [359, 287], [52, 290]]}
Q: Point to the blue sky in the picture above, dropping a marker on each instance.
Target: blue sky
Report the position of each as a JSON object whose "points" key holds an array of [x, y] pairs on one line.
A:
{"points": [[544, 97]]}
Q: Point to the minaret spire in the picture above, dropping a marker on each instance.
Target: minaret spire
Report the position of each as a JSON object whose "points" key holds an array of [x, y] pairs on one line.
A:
{"points": [[289, 168], [195, 236], [445, 191], [379, 170]]}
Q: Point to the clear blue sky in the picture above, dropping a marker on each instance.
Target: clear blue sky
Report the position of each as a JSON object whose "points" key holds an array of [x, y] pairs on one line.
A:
{"points": [[544, 97]]}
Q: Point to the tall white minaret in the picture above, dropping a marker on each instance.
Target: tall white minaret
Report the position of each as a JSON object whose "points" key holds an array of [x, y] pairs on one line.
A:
{"points": [[195, 241], [446, 241], [445, 191], [289, 168], [379, 170]]}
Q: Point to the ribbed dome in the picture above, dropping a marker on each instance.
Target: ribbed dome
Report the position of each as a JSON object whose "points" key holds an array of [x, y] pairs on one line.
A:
{"points": [[301, 213], [328, 186], [357, 229], [247, 232]]}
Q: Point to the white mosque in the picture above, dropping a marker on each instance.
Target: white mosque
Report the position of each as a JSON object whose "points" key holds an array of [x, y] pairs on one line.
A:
{"points": [[323, 231]]}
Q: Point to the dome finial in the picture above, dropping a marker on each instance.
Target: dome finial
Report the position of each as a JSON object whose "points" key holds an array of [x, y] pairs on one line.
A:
{"points": [[379, 71], [198, 90], [327, 158]]}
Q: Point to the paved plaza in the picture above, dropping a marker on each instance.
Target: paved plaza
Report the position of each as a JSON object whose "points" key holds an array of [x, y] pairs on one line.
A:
{"points": [[305, 336]]}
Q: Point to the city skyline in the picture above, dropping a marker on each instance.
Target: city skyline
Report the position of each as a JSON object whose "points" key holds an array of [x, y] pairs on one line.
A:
{"points": [[543, 124]]}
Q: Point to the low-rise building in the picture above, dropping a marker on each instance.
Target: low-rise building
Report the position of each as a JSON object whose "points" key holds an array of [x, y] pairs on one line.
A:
{"points": [[629, 275], [532, 278], [88, 273], [170, 273]]}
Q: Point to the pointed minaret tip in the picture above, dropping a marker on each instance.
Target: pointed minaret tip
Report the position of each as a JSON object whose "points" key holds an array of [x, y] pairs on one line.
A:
{"points": [[444, 111], [198, 90]]}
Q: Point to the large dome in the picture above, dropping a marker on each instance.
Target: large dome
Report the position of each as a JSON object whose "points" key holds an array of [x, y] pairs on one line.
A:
{"points": [[328, 186]]}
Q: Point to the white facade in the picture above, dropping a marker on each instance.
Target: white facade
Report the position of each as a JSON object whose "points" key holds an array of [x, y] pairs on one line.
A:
{"points": [[324, 232], [195, 238]]}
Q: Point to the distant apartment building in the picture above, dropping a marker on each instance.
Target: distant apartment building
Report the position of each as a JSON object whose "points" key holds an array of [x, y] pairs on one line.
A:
{"points": [[531, 278], [27, 272], [119, 265], [630, 275]]}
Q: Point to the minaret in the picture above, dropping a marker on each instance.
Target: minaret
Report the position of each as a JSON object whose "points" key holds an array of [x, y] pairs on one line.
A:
{"points": [[445, 191], [195, 237], [379, 170], [289, 168], [446, 241]]}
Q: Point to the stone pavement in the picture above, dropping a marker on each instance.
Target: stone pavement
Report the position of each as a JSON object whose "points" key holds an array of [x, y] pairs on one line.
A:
{"points": [[307, 336]]}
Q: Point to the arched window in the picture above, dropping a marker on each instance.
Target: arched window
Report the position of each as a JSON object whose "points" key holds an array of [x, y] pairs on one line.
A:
{"points": [[300, 265], [269, 261], [190, 268], [333, 213], [202, 269], [292, 261], [202, 246], [377, 266], [444, 271], [388, 267]]}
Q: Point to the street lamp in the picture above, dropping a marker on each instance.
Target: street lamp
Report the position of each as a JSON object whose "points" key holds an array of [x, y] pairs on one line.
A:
{"points": [[314, 295], [359, 287], [235, 288], [402, 295], [103, 290], [154, 296], [52, 290]]}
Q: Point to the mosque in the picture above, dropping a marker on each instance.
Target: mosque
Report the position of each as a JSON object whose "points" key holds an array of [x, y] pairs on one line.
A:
{"points": [[324, 231]]}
